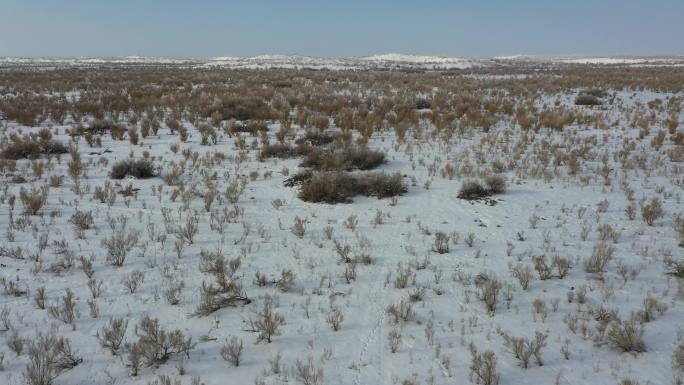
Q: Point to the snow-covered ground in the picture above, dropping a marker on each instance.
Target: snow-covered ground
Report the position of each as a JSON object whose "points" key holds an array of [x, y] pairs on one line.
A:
{"points": [[544, 211]]}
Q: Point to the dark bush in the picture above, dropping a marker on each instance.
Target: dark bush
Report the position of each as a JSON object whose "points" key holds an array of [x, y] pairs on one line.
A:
{"points": [[252, 127], [472, 190], [283, 151], [316, 138], [243, 108], [587, 100], [340, 187], [140, 169], [31, 146], [345, 159], [101, 127]]}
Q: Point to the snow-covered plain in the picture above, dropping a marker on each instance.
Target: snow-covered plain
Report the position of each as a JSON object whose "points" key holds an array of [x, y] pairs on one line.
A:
{"points": [[545, 211]]}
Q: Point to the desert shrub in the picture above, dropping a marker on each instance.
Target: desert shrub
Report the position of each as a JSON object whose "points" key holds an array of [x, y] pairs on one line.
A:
{"points": [[132, 280], [141, 169], [652, 310], [523, 349], [231, 351], [67, 311], [489, 288], [156, 345], [674, 266], [341, 187], [393, 339], [119, 244], [627, 336], [112, 335], [213, 298], [267, 323], [441, 245], [483, 367], [307, 373], [101, 127], [208, 134], [281, 150], [678, 362], [33, 200], [587, 100], [601, 255], [496, 184], [315, 138], [49, 356], [30, 147], [82, 221], [471, 190], [335, 318], [344, 159], [652, 211], [402, 312], [523, 274]]}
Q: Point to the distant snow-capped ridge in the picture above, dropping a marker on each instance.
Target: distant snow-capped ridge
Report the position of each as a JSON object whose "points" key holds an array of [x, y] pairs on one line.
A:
{"points": [[379, 61]]}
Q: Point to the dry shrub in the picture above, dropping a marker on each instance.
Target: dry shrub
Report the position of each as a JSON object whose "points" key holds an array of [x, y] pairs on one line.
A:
{"points": [[483, 367], [652, 211], [49, 356], [496, 184], [473, 190], [31, 146], [34, 199], [141, 169], [341, 187], [345, 159], [156, 345], [627, 336], [283, 151], [316, 138], [101, 127]]}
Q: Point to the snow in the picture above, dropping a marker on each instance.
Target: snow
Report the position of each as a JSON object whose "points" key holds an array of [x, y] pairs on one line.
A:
{"points": [[358, 354]]}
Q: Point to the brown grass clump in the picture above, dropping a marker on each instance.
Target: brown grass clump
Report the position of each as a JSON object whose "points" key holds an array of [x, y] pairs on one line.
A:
{"points": [[341, 187]]}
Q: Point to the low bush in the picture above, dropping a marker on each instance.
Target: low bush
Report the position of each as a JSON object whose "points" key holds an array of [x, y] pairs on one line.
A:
{"points": [[472, 190], [141, 169], [31, 146], [587, 100], [341, 187], [101, 127], [284, 151], [345, 159]]}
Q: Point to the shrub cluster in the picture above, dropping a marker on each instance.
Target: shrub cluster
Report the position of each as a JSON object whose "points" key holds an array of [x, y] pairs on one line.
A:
{"points": [[347, 158], [473, 190], [337, 187], [31, 146]]}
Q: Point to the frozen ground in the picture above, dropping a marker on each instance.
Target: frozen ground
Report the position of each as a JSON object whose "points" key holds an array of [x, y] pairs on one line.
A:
{"points": [[544, 211]]}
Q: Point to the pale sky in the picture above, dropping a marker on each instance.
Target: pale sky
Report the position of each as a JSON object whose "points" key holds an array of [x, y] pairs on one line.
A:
{"points": [[339, 28]]}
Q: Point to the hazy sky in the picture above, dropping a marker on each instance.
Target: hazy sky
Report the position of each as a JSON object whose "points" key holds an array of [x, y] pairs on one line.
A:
{"points": [[340, 28]]}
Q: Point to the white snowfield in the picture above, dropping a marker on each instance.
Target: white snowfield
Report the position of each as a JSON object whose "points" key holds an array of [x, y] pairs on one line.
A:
{"points": [[552, 214]]}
